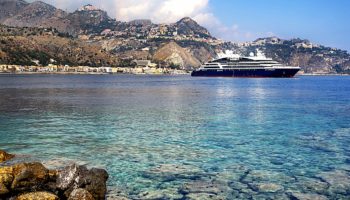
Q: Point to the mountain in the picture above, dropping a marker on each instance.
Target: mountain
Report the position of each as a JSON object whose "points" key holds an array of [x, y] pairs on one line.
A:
{"points": [[187, 26], [18, 13], [25, 46], [89, 20], [36, 14], [8, 8], [184, 43], [312, 58]]}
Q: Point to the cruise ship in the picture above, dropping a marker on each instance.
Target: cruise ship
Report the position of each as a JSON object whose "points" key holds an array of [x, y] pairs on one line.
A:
{"points": [[252, 66]]}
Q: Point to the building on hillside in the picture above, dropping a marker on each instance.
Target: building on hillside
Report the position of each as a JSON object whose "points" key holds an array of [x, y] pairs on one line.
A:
{"points": [[144, 63], [88, 7]]}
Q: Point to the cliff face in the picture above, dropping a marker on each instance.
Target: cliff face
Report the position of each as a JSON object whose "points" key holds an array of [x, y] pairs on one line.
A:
{"points": [[172, 54]]}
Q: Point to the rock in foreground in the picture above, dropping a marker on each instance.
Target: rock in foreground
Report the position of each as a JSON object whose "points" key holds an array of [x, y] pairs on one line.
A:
{"points": [[5, 156], [32, 181]]}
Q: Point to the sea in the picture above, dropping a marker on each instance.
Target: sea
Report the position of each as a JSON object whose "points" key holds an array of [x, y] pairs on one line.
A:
{"points": [[183, 137]]}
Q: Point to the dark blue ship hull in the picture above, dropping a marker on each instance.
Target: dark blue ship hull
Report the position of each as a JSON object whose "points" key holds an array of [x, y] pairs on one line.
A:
{"points": [[255, 73]]}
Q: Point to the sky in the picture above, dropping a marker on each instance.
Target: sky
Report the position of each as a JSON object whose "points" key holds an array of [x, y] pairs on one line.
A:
{"points": [[325, 22]]}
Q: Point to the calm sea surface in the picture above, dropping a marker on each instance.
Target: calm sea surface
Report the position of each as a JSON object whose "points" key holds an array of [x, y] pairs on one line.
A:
{"points": [[155, 134]]}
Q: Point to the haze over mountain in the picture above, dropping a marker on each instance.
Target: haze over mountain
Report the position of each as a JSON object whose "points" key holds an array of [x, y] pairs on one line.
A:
{"points": [[184, 43]]}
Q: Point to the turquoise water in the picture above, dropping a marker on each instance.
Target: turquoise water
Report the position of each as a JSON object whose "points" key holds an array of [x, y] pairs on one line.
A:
{"points": [[157, 134]]}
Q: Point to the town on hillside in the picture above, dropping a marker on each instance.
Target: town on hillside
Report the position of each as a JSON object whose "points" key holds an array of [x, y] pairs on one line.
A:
{"points": [[37, 37]]}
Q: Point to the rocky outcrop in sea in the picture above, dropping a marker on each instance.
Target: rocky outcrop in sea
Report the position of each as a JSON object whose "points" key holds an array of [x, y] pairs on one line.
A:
{"points": [[33, 181]]}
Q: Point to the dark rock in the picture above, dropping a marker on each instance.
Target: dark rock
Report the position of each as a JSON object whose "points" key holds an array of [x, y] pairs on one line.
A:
{"points": [[95, 182], [4, 156], [37, 196], [29, 176], [5, 183], [74, 176], [66, 178], [80, 194]]}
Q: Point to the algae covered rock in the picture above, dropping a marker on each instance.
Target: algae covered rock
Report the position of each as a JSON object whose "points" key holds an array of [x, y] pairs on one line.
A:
{"points": [[4, 156], [38, 196], [29, 176], [80, 194]]}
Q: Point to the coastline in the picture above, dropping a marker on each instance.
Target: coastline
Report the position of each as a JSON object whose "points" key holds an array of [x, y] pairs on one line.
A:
{"points": [[130, 73], [88, 73]]}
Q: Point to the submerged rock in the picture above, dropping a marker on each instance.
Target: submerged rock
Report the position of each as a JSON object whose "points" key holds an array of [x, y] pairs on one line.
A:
{"points": [[267, 176], [115, 193], [339, 181], [202, 187], [311, 185], [160, 194], [307, 196], [232, 174], [4, 156], [204, 196], [38, 196], [206, 190], [266, 187], [170, 172]]}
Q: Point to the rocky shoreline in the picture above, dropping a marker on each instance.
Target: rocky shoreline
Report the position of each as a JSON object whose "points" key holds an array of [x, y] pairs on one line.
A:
{"points": [[33, 181]]}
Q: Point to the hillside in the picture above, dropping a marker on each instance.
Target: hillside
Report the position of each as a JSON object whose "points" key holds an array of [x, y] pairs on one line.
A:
{"points": [[312, 58], [173, 55], [34, 46], [184, 43]]}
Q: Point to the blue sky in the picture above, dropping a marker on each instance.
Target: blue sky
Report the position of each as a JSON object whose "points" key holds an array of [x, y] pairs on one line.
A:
{"points": [[324, 22]]}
